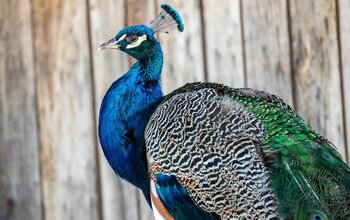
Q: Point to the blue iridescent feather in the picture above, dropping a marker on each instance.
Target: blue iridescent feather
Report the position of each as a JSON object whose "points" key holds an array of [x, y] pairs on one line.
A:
{"points": [[177, 201], [122, 123]]}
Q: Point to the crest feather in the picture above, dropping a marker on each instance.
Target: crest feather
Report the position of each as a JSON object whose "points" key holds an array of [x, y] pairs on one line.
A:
{"points": [[169, 19]]}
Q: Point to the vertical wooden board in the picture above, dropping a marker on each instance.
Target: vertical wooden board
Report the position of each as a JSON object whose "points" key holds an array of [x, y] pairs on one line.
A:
{"points": [[344, 18], [183, 52], [267, 52], [316, 67], [119, 198], [64, 97], [20, 196], [140, 12], [223, 42], [144, 209]]}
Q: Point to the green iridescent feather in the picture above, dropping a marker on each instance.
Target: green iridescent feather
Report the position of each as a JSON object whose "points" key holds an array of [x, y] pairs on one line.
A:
{"points": [[307, 173]]}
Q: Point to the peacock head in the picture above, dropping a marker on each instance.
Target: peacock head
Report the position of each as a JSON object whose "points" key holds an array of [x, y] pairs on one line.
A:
{"points": [[139, 41]]}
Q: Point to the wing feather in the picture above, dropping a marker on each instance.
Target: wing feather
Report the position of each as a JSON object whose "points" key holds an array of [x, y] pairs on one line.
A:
{"points": [[208, 142], [236, 150]]}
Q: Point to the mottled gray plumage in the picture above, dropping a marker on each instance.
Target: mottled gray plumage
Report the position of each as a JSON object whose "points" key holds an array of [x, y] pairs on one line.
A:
{"points": [[210, 143]]}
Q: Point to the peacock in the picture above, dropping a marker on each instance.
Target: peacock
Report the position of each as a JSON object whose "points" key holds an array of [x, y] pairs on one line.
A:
{"points": [[208, 151]]}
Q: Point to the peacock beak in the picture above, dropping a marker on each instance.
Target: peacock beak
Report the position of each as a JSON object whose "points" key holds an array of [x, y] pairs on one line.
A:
{"points": [[111, 44]]}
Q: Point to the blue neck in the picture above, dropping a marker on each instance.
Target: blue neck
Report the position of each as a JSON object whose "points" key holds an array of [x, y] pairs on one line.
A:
{"points": [[124, 113], [152, 66]]}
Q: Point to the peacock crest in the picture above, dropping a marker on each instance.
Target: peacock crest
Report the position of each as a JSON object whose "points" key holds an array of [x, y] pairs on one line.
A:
{"points": [[168, 20]]}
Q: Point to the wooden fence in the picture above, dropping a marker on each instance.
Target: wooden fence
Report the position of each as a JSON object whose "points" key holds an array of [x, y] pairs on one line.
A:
{"points": [[52, 81]]}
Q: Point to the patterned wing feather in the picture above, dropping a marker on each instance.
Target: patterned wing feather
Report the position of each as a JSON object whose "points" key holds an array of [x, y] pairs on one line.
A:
{"points": [[208, 142], [245, 154]]}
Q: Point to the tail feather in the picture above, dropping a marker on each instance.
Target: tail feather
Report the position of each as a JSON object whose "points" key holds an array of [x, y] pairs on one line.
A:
{"points": [[322, 187]]}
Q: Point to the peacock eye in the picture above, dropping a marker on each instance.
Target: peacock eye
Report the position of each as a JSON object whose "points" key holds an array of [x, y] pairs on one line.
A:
{"points": [[131, 38], [317, 216]]}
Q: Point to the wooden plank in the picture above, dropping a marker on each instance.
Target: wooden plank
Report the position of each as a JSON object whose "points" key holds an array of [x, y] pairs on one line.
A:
{"points": [[183, 52], [106, 18], [223, 34], [140, 12], [267, 54], [316, 67], [144, 209], [344, 18], [67, 135], [20, 195], [119, 198]]}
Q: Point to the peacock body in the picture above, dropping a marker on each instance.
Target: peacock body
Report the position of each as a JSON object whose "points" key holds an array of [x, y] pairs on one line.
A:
{"points": [[207, 151]]}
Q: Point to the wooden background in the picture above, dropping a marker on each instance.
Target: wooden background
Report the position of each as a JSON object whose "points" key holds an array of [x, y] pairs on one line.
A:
{"points": [[52, 81]]}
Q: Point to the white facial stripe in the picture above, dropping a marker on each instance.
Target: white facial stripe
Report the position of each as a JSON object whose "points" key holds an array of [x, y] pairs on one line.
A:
{"points": [[137, 43], [121, 38]]}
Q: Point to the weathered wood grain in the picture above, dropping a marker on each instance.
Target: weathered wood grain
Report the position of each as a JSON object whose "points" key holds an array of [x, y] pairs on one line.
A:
{"points": [[64, 96], [106, 18], [120, 199], [140, 12], [183, 52], [20, 196], [266, 41], [316, 67], [344, 18], [223, 42]]}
